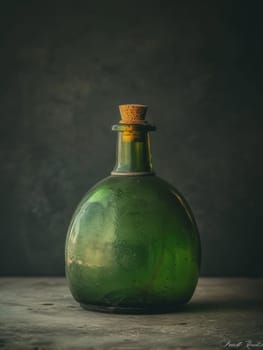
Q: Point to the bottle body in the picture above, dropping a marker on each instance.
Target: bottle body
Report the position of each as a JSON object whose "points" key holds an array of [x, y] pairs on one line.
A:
{"points": [[132, 246]]}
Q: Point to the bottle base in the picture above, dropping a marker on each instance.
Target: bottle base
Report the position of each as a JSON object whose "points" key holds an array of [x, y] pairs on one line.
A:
{"points": [[155, 309]]}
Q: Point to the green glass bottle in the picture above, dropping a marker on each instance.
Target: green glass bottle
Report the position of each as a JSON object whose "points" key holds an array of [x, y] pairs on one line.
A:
{"points": [[133, 244]]}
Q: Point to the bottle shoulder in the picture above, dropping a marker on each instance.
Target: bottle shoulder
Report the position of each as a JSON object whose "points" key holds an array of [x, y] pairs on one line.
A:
{"points": [[133, 183], [125, 199], [147, 188]]}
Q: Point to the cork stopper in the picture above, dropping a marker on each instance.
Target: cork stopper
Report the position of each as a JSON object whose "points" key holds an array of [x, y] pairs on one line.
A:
{"points": [[133, 114]]}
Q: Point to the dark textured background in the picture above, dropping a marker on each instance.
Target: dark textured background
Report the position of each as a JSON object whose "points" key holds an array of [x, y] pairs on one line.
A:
{"points": [[64, 68]]}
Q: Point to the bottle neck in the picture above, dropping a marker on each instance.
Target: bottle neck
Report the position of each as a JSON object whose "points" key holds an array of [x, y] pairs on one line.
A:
{"points": [[133, 151]]}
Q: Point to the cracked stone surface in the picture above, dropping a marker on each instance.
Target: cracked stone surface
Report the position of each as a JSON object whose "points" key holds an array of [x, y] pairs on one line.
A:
{"points": [[40, 312]]}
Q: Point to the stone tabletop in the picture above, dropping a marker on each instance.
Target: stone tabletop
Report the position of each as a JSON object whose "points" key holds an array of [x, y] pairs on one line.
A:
{"points": [[41, 313]]}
